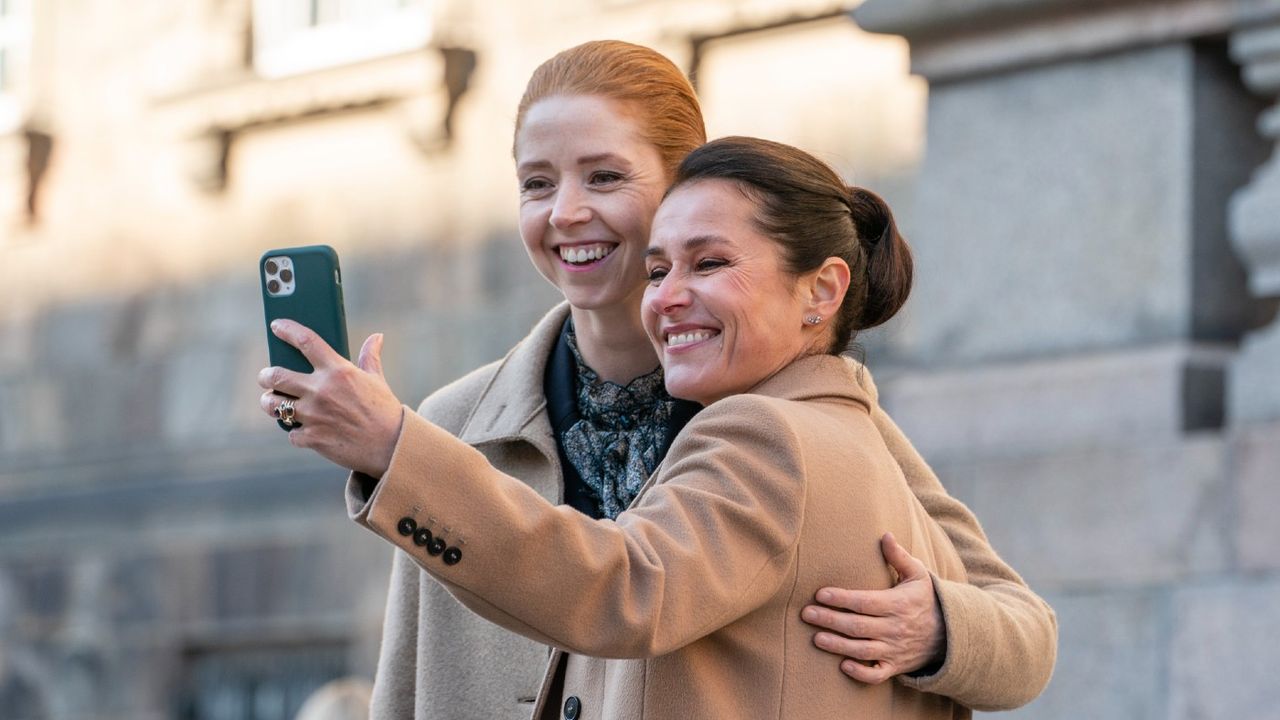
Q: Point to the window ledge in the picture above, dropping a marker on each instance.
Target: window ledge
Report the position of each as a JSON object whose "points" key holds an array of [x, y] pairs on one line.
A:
{"points": [[250, 100], [423, 84]]}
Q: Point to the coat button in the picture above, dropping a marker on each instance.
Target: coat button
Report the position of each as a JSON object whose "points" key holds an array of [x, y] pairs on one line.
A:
{"points": [[452, 556], [435, 547], [406, 526], [572, 707], [421, 537]]}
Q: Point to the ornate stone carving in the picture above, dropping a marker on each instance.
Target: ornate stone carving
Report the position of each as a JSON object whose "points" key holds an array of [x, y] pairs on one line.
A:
{"points": [[1255, 217], [1255, 211]]}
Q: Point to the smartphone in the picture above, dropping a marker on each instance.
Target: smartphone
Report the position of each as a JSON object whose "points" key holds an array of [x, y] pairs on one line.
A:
{"points": [[303, 284]]}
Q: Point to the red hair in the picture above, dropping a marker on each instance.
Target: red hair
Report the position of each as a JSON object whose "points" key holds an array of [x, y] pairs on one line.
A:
{"points": [[650, 84]]}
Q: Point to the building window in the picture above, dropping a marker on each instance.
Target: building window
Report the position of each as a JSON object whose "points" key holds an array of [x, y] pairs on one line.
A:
{"points": [[15, 49], [265, 682], [296, 36]]}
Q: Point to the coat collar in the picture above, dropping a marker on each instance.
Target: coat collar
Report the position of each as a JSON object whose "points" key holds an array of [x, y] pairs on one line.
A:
{"points": [[514, 397], [820, 377]]}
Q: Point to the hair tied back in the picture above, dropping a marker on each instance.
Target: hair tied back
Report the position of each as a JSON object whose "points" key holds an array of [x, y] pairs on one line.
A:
{"points": [[871, 216]]}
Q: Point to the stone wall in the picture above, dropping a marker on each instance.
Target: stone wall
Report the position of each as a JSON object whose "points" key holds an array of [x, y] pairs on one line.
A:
{"points": [[1091, 358], [1089, 361], [163, 552]]}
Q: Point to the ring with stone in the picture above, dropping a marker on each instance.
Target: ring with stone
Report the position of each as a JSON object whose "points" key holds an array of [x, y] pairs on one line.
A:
{"points": [[287, 415]]}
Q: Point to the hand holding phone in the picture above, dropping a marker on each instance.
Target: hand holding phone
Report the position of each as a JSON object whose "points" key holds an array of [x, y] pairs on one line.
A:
{"points": [[353, 418]]}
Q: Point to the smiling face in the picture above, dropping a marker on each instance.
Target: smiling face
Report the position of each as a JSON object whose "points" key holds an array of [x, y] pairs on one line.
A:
{"points": [[720, 308], [589, 186]]}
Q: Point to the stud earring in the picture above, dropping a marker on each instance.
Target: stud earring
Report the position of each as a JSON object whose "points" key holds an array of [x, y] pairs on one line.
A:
{"points": [[813, 319]]}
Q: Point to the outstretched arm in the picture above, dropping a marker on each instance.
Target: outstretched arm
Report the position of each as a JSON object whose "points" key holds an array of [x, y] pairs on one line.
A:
{"points": [[508, 554]]}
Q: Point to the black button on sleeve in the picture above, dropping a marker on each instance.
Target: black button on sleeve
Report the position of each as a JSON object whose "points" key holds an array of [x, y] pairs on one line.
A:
{"points": [[435, 547], [452, 556], [421, 537], [406, 526], [572, 707]]}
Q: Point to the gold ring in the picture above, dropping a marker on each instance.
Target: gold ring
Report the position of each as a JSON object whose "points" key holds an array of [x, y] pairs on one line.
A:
{"points": [[285, 412]]}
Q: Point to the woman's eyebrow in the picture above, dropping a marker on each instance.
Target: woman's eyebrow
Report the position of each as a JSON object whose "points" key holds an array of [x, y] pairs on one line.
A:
{"points": [[531, 165], [690, 244], [601, 157]]}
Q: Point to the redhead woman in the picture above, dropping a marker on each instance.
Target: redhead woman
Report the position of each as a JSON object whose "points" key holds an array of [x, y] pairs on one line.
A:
{"points": [[577, 411]]}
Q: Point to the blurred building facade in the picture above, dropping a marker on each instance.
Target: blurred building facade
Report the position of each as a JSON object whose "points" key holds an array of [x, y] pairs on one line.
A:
{"points": [[1091, 357], [163, 551]]}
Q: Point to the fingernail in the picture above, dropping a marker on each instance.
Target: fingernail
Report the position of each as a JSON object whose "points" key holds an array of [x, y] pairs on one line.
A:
{"points": [[275, 324], [824, 596], [810, 614]]}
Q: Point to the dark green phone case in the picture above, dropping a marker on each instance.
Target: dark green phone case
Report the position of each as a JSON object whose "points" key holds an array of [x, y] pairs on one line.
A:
{"points": [[316, 302]]}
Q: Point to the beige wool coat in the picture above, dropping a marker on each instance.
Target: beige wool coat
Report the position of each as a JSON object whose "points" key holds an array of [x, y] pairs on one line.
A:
{"points": [[439, 660]]}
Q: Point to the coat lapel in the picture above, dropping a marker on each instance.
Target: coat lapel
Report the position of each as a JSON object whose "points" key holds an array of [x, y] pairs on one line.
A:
{"points": [[511, 406]]}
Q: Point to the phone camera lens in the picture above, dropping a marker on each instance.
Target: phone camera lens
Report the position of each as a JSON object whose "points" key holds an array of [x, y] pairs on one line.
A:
{"points": [[286, 275], [273, 286], [272, 267]]}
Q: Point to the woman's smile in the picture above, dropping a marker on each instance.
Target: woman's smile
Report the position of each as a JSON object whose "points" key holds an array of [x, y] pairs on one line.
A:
{"points": [[585, 257], [682, 338]]}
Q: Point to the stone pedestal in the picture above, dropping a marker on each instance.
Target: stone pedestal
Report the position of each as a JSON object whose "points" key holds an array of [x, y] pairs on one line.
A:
{"points": [[1071, 205], [1087, 358]]}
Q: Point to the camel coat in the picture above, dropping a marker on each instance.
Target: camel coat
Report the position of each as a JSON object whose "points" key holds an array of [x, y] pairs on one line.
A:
{"points": [[439, 660]]}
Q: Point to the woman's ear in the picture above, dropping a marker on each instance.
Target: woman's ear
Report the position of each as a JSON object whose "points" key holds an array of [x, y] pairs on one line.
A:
{"points": [[826, 287]]}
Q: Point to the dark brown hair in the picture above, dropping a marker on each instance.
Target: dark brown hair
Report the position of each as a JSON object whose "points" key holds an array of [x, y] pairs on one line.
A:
{"points": [[807, 208], [652, 86]]}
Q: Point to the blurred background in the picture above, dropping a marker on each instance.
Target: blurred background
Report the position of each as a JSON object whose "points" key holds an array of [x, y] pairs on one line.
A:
{"points": [[1090, 359]]}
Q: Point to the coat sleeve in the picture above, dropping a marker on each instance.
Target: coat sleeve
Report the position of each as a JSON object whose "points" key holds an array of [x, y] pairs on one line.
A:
{"points": [[710, 540], [1002, 638]]}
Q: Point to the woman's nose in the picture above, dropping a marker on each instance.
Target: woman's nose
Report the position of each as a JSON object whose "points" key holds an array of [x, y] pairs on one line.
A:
{"points": [[570, 208], [669, 296]]}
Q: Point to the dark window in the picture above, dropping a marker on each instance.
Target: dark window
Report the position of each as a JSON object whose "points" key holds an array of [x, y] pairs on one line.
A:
{"points": [[256, 683]]}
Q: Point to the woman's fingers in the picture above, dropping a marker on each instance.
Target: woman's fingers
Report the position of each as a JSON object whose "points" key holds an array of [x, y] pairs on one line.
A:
{"points": [[343, 411], [904, 563], [370, 357], [848, 624], [269, 402], [281, 380], [869, 674], [857, 649], [312, 346], [901, 627], [864, 602]]}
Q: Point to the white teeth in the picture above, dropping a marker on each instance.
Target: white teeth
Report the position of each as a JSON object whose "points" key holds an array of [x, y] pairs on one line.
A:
{"points": [[584, 254], [689, 337]]}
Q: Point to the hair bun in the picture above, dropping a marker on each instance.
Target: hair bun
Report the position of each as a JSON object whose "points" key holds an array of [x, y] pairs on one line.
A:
{"points": [[871, 216]]}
